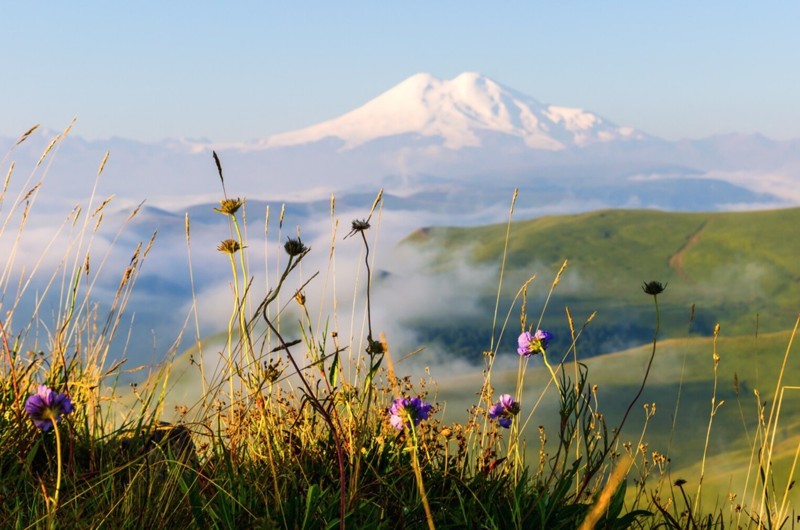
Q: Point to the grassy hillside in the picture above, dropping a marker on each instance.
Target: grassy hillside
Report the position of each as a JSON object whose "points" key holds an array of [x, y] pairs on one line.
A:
{"points": [[678, 393], [741, 270], [738, 268], [294, 422]]}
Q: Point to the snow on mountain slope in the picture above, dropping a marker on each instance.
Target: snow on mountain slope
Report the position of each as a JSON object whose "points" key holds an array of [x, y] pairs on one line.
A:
{"points": [[457, 111]]}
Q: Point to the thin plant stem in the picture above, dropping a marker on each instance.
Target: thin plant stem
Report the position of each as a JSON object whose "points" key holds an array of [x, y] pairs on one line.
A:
{"points": [[782, 512], [503, 266], [53, 502], [714, 408], [418, 476], [314, 400], [231, 362], [772, 424], [609, 446], [198, 341]]}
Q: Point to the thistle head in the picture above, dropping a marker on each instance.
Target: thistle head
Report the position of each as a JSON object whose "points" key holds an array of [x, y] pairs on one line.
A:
{"points": [[229, 206], [653, 288], [358, 226], [229, 246], [294, 247]]}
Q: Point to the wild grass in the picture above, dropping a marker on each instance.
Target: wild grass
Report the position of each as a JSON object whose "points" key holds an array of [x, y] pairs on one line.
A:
{"points": [[296, 421]]}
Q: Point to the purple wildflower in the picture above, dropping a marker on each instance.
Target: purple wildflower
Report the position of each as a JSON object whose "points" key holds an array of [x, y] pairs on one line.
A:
{"points": [[504, 410], [532, 344], [46, 405], [412, 409]]}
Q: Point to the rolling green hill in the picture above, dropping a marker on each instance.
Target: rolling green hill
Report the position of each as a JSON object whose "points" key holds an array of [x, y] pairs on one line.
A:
{"points": [[741, 269]]}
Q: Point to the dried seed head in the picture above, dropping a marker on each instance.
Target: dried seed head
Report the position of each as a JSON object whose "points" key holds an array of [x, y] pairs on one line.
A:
{"points": [[272, 371], [375, 347], [653, 288], [295, 247], [300, 298], [229, 246], [229, 206], [358, 225]]}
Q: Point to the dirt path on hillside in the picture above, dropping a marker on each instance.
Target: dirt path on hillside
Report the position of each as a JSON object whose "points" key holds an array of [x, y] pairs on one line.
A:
{"points": [[675, 261]]}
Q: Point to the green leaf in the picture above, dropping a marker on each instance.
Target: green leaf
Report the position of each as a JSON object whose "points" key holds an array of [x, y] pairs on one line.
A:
{"points": [[313, 492]]}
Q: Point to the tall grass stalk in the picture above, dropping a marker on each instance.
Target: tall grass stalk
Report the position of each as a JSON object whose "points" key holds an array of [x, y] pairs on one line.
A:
{"points": [[769, 431], [503, 259], [514, 449], [714, 408]]}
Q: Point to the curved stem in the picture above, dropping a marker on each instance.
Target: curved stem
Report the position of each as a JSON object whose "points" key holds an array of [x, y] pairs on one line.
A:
{"points": [[418, 475], [53, 508], [314, 400], [610, 446], [646, 372]]}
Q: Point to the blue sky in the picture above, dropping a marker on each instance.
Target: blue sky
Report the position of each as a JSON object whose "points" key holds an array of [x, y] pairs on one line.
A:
{"points": [[242, 70]]}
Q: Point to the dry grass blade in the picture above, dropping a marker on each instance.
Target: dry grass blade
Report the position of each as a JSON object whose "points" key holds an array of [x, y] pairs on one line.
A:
{"points": [[8, 178], [102, 205], [219, 170], [26, 134], [135, 211], [31, 192], [47, 150], [604, 499], [150, 244], [375, 204], [103, 164]]}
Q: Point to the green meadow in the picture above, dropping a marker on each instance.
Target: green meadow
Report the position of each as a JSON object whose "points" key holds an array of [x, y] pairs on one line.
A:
{"points": [[738, 269], [664, 399]]}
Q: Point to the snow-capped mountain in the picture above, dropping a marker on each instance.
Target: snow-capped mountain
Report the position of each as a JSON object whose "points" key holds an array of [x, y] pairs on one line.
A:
{"points": [[458, 112], [469, 132]]}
